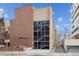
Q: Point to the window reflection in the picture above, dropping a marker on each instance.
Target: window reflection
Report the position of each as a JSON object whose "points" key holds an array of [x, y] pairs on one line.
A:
{"points": [[41, 35]]}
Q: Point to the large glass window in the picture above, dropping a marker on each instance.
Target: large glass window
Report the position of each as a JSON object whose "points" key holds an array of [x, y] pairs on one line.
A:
{"points": [[41, 35]]}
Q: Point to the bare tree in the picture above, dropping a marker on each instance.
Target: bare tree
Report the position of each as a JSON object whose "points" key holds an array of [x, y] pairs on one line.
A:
{"points": [[2, 31]]}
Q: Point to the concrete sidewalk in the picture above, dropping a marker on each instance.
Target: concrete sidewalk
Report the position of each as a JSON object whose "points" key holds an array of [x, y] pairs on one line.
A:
{"points": [[60, 49], [73, 51]]}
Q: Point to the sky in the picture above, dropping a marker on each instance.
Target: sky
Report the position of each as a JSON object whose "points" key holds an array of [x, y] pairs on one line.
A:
{"points": [[61, 13]]}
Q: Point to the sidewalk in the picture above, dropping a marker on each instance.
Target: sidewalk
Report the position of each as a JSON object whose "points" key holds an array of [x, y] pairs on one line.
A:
{"points": [[73, 51], [70, 50]]}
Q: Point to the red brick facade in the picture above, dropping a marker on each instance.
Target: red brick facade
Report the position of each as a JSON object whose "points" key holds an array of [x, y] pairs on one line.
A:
{"points": [[22, 26]]}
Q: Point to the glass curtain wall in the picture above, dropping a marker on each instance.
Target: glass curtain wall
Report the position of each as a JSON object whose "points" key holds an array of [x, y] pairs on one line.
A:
{"points": [[41, 35]]}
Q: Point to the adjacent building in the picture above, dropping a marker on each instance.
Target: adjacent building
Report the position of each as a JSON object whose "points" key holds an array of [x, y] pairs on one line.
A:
{"points": [[33, 28], [75, 21], [21, 29], [7, 24]]}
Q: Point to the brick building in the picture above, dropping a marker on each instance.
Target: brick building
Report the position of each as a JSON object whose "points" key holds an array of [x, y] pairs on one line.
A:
{"points": [[33, 28]]}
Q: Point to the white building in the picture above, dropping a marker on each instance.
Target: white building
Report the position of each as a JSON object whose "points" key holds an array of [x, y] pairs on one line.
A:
{"points": [[75, 21], [7, 24]]}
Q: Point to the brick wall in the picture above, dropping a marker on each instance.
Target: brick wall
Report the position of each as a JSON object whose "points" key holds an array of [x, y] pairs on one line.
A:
{"points": [[22, 27]]}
